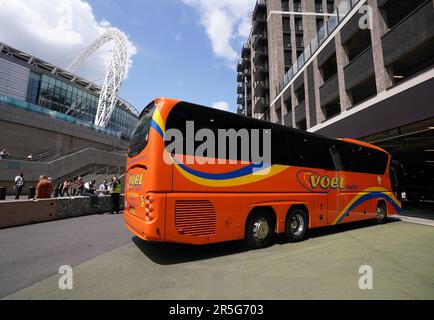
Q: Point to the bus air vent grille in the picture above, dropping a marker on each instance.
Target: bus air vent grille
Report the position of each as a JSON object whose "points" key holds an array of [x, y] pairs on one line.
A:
{"points": [[195, 217]]}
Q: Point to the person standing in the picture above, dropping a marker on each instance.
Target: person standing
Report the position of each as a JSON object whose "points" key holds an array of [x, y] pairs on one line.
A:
{"points": [[44, 188], [4, 154], [19, 185], [79, 186], [115, 194], [103, 189], [65, 190]]}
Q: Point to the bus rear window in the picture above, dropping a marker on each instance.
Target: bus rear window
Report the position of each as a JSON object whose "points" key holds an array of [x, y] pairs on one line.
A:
{"points": [[140, 137]]}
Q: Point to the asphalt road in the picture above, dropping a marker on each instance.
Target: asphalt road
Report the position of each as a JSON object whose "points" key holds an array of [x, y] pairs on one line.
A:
{"points": [[110, 264], [32, 253]]}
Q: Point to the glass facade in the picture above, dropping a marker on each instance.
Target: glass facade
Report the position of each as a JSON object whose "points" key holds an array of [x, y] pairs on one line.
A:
{"points": [[60, 96]]}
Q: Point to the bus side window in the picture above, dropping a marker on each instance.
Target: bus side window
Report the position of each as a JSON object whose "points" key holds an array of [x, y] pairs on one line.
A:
{"points": [[336, 159]]}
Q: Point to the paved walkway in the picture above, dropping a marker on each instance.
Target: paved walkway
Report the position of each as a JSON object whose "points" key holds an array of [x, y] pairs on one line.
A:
{"points": [[326, 266]]}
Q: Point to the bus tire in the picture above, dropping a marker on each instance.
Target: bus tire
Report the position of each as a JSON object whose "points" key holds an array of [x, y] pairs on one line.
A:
{"points": [[297, 224], [381, 212], [259, 230]]}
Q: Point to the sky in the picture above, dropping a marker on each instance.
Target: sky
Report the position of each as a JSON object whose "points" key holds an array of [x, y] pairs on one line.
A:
{"points": [[184, 49]]}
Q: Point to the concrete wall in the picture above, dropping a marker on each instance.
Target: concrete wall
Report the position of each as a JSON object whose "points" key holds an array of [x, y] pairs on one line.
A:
{"points": [[19, 213], [24, 132]]}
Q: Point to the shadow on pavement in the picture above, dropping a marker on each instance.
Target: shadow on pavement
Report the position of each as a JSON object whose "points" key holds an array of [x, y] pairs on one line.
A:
{"points": [[172, 253]]}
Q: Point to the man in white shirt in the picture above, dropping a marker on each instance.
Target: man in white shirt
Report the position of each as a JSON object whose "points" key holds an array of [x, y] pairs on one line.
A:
{"points": [[104, 189], [19, 185]]}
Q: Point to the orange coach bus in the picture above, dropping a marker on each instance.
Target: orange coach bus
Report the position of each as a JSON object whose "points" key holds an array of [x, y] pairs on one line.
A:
{"points": [[312, 181]]}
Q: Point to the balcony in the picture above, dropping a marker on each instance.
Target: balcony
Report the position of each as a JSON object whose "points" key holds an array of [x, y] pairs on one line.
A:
{"points": [[328, 51], [240, 66], [259, 23], [329, 91], [261, 105], [260, 55], [300, 112], [259, 39], [359, 70], [240, 77], [240, 89], [261, 88], [410, 33], [245, 52], [351, 28], [287, 120], [261, 72], [260, 7], [240, 99]]}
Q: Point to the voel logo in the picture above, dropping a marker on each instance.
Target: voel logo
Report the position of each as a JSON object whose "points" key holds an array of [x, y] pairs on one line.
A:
{"points": [[135, 180], [315, 182]]}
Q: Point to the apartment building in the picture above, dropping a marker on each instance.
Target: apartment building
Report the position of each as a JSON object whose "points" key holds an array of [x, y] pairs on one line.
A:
{"points": [[347, 68]]}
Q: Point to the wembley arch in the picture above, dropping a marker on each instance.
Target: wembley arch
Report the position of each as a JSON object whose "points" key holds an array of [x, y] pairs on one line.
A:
{"points": [[114, 76]]}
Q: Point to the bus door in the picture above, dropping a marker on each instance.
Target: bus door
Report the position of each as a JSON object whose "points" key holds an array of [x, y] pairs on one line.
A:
{"points": [[334, 192]]}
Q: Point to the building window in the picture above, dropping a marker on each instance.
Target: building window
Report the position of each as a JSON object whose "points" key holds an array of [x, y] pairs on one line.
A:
{"points": [[318, 6], [33, 88], [286, 24], [287, 41], [297, 5], [319, 24], [299, 41], [288, 58], [285, 5], [298, 24], [330, 6]]}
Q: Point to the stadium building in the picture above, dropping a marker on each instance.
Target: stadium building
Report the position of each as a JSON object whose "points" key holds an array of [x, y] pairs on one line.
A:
{"points": [[49, 112]]}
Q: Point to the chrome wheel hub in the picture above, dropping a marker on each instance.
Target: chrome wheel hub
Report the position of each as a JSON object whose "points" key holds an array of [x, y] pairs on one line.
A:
{"points": [[381, 214], [261, 229], [297, 225]]}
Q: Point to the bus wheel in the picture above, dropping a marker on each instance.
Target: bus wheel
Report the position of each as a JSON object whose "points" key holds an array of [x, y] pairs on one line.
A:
{"points": [[259, 230], [296, 225], [381, 213]]}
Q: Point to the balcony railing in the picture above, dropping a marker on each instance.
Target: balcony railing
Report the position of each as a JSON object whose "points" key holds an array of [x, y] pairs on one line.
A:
{"points": [[329, 90], [260, 55], [261, 88], [359, 70], [411, 32], [331, 24], [261, 105]]}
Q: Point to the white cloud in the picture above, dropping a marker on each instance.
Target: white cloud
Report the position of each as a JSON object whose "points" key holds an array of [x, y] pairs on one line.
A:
{"points": [[57, 31], [226, 22], [221, 105]]}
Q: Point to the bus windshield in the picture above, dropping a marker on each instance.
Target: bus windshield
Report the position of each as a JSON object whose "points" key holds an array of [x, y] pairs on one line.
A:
{"points": [[140, 137]]}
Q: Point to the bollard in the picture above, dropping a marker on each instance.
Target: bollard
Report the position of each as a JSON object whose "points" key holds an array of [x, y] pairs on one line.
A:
{"points": [[3, 193], [32, 192]]}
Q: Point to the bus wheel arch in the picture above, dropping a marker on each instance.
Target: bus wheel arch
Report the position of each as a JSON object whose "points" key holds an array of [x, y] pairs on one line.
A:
{"points": [[260, 227], [297, 223], [381, 211]]}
